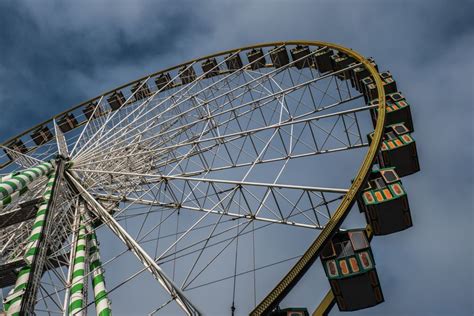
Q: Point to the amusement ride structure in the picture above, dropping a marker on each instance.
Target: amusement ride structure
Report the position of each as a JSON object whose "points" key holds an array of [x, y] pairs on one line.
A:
{"points": [[210, 188]]}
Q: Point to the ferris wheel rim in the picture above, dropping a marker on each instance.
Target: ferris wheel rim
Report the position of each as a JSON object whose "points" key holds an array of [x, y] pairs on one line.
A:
{"points": [[349, 198], [351, 194]]}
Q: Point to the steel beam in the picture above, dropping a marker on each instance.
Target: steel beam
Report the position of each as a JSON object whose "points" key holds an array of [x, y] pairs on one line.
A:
{"points": [[133, 245]]}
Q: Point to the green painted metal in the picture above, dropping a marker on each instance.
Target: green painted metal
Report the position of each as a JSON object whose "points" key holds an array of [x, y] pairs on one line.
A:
{"points": [[12, 304]]}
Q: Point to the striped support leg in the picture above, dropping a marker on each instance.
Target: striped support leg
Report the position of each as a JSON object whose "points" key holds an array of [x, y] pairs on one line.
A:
{"points": [[33, 243], [12, 198], [19, 181], [102, 303], [12, 303], [79, 270], [6, 177]]}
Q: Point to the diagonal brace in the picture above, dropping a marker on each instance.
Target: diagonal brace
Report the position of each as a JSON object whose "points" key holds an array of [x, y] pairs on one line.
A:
{"points": [[131, 243]]}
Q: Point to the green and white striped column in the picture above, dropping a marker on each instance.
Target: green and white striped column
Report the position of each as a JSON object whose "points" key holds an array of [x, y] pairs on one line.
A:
{"points": [[12, 303], [33, 243], [6, 177], [18, 182], [76, 300], [12, 197], [102, 303]]}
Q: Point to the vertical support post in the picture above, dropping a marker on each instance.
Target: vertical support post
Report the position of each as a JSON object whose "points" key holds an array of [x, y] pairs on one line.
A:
{"points": [[22, 298], [77, 290], [72, 255], [102, 303]]}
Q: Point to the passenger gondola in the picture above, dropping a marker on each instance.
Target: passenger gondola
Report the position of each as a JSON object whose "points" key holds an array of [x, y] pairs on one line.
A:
{"points": [[398, 150], [116, 100], [300, 55], [67, 122], [397, 110], [42, 135], [349, 265], [187, 74], [163, 82], [385, 203], [256, 59], [210, 68], [141, 91], [279, 57]]}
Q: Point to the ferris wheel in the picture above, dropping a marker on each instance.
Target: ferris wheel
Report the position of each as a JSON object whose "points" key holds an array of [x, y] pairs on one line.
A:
{"points": [[210, 188]]}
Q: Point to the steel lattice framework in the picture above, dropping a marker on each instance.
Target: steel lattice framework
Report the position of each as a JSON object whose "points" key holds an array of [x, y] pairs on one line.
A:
{"points": [[186, 171]]}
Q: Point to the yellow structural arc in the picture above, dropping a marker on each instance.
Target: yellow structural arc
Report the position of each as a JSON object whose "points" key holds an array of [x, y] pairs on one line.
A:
{"points": [[312, 253]]}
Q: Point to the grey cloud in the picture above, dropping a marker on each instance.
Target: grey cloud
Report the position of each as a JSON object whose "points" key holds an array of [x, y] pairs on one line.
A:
{"points": [[54, 55], [45, 51]]}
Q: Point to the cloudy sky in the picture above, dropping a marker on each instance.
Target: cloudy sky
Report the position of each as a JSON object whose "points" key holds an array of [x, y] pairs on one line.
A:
{"points": [[54, 54]]}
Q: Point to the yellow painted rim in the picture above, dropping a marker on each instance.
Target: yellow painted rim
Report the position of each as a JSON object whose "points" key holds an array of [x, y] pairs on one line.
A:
{"points": [[336, 220]]}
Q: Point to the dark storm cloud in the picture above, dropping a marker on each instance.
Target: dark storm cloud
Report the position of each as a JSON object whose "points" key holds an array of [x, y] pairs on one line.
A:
{"points": [[53, 55]]}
